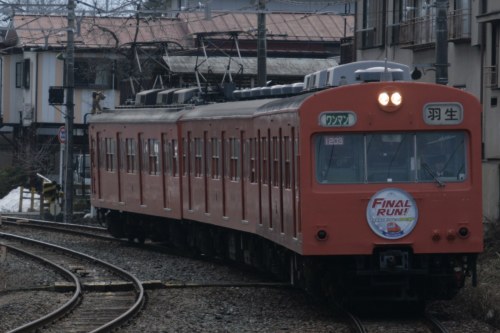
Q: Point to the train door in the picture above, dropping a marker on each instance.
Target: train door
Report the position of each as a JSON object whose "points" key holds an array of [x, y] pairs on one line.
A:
{"points": [[293, 181], [265, 150], [206, 172], [223, 172], [119, 145], [96, 174], [242, 175], [165, 170], [276, 186], [141, 167], [296, 186], [188, 151]]}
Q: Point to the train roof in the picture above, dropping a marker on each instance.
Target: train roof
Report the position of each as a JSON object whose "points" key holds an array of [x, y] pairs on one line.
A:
{"points": [[235, 109], [139, 115], [243, 109]]}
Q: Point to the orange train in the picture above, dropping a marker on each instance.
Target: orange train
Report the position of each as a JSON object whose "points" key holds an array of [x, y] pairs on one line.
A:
{"points": [[371, 187]]}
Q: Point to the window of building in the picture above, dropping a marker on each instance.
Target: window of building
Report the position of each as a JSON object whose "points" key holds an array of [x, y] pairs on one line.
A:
{"points": [[93, 73], [19, 74], [372, 32]]}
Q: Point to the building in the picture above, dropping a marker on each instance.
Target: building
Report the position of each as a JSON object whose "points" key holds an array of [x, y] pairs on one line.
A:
{"points": [[121, 56]]}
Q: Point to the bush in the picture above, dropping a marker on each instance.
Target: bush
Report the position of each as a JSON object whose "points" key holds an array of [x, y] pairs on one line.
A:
{"points": [[10, 178]]}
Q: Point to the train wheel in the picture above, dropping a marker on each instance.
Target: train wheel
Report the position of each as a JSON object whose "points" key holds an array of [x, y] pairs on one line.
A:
{"points": [[115, 225]]}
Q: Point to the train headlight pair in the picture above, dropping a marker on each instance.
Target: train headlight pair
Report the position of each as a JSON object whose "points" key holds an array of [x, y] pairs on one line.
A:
{"points": [[390, 100]]}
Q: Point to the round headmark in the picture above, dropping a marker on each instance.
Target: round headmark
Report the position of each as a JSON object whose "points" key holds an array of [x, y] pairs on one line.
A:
{"points": [[392, 213]]}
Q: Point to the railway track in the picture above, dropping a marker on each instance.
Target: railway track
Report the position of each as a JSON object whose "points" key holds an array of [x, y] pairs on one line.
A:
{"points": [[92, 231], [104, 296], [425, 323]]}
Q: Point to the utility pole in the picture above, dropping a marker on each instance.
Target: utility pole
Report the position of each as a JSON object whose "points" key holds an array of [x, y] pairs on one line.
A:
{"points": [[441, 42], [261, 45], [70, 83]]}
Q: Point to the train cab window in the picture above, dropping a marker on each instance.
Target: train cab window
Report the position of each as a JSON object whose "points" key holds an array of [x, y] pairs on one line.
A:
{"points": [[388, 157], [339, 158], [441, 157], [391, 157]]}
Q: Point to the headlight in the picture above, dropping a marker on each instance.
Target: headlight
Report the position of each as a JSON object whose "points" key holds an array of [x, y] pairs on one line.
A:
{"points": [[383, 99], [396, 98], [390, 100]]}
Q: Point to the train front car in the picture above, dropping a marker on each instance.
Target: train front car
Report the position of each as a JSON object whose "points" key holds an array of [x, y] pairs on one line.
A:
{"points": [[391, 188]]}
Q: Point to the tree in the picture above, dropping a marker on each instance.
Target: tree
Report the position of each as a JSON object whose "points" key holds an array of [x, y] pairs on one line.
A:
{"points": [[156, 8]]}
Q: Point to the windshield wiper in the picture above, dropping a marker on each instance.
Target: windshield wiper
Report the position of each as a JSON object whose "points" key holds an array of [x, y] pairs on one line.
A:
{"points": [[433, 174]]}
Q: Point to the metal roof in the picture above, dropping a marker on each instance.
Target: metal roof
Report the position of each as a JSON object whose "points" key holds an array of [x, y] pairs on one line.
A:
{"points": [[111, 32], [275, 66], [280, 26]]}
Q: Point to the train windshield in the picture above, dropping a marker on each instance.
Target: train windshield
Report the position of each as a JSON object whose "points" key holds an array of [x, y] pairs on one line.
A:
{"points": [[391, 157]]}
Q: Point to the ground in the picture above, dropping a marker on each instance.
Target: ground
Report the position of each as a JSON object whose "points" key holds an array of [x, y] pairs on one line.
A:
{"points": [[483, 301]]}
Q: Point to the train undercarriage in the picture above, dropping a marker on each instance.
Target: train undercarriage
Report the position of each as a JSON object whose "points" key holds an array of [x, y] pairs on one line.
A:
{"points": [[388, 275]]}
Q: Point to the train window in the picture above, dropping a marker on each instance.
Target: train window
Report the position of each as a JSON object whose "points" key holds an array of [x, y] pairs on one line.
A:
{"points": [[185, 145], [154, 161], [174, 161], [391, 157], [110, 154], [264, 159], [234, 156], [198, 157], [215, 149], [275, 162], [252, 155], [287, 166]]}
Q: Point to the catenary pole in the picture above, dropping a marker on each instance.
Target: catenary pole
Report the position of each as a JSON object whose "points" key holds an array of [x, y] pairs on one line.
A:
{"points": [[261, 45], [70, 82], [441, 42]]}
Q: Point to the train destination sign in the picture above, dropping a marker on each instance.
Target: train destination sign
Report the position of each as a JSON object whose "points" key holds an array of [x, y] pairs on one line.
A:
{"points": [[392, 213], [443, 113], [337, 119]]}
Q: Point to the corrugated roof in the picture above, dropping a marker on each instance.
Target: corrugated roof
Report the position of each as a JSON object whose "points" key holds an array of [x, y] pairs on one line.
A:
{"points": [[280, 26], [109, 32], [275, 66], [94, 32]]}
